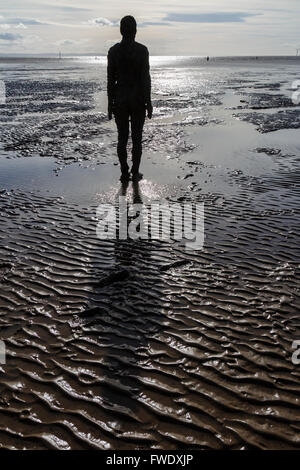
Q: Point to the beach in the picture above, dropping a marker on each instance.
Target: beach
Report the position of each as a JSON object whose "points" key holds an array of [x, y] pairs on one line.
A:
{"points": [[140, 344]]}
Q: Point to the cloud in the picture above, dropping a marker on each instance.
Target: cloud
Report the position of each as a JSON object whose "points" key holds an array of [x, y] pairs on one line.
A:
{"points": [[101, 22], [221, 17], [27, 21], [153, 23], [66, 8], [70, 42], [18, 21], [107, 22], [22, 22], [20, 26], [10, 37], [66, 42]]}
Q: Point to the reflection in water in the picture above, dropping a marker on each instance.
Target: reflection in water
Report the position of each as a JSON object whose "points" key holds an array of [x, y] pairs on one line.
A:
{"points": [[137, 198], [134, 315]]}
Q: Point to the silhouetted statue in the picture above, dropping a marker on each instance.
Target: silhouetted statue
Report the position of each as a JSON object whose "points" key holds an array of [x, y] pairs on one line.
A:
{"points": [[129, 93]]}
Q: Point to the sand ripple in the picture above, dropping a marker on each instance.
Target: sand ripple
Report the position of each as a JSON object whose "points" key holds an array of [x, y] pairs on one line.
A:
{"points": [[184, 351]]}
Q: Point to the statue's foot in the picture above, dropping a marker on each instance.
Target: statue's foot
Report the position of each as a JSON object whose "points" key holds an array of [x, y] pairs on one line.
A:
{"points": [[137, 176], [125, 177]]}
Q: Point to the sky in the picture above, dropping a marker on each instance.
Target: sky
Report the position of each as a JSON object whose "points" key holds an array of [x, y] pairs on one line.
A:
{"points": [[193, 27]]}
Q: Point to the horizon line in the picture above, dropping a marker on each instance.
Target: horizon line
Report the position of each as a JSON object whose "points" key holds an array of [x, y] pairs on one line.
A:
{"points": [[95, 54]]}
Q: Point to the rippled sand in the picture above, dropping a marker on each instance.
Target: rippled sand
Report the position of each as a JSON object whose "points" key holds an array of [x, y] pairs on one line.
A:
{"points": [[140, 344]]}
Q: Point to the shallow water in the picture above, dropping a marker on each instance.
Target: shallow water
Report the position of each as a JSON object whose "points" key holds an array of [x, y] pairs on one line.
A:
{"points": [[113, 344]]}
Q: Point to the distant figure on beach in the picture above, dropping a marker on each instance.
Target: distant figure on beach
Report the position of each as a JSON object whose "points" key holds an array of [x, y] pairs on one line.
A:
{"points": [[207, 58], [129, 94]]}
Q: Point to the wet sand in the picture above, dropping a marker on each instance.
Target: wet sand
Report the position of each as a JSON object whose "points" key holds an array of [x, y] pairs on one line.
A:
{"points": [[124, 344]]}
